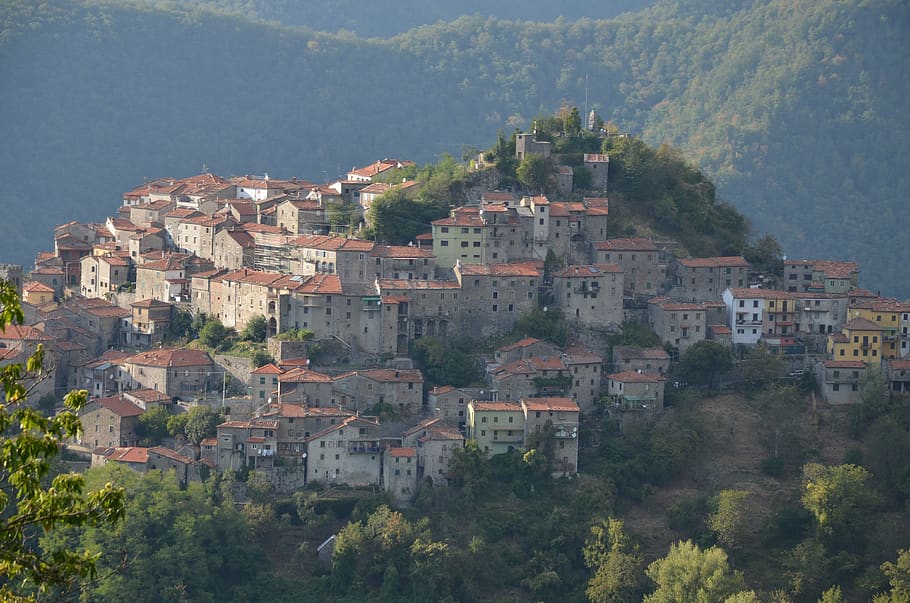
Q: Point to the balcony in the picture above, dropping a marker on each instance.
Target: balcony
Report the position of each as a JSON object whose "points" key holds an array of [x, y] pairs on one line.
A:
{"points": [[566, 432], [363, 448]]}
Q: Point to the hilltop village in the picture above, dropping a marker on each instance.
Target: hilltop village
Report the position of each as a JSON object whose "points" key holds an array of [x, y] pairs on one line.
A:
{"points": [[332, 396]]}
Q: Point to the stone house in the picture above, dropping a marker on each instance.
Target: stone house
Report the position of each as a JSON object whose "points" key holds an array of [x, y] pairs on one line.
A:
{"points": [[598, 164], [233, 248], [705, 279], [529, 347], [404, 262], [165, 459], [645, 360], [250, 443], [400, 474], [435, 442], [297, 422], [449, 404], [493, 296], [151, 321], [350, 259], [591, 296], [196, 235], [841, 381], [416, 308], [678, 324], [102, 275], [897, 372], [639, 258], [167, 276], [346, 453], [101, 376], [17, 344], [556, 418], [109, 422], [148, 240], [178, 372], [362, 390], [150, 213], [110, 323], [264, 383], [859, 339], [303, 386], [820, 276], [634, 390], [303, 216]]}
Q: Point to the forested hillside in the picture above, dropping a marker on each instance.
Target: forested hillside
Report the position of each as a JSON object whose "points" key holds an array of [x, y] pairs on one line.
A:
{"points": [[793, 108]]}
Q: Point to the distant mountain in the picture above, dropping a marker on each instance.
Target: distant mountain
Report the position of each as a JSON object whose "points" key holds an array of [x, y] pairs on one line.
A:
{"points": [[796, 109]]}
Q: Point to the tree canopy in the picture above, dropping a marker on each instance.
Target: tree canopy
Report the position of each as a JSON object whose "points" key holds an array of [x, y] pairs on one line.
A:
{"points": [[34, 499]]}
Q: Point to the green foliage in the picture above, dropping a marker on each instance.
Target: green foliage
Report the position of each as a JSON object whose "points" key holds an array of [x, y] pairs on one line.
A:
{"points": [[183, 325], [173, 543], [766, 256], [704, 363], [637, 334], [663, 184], [32, 499], [689, 573], [260, 358], [760, 368], [728, 521], [295, 334], [548, 325], [616, 563], [898, 573], [153, 425], [255, 330], [832, 595], [201, 423], [535, 172], [839, 498], [213, 334], [450, 362]]}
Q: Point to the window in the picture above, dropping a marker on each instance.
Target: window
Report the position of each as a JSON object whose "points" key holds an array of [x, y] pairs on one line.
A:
{"points": [[444, 243], [464, 243]]}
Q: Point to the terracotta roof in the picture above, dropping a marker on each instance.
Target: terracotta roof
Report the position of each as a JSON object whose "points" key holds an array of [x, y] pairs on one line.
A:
{"points": [[341, 425], [523, 343], [499, 270], [171, 357], [496, 406], [24, 333], [642, 353], [209, 442], [147, 395], [636, 377], [400, 251], [150, 303], [386, 284], [628, 244], [132, 454], [588, 271], [302, 375], [899, 363], [120, 406], [550, 404], [668, 305], [330, 243], [387, 375], [845, 364], [171, 454], [36, 287], [402, 452], [733, 261], [267, 369], [862, 324], [497, 197]]}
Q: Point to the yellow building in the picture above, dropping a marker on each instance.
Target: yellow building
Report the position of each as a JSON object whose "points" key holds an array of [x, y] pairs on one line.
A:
{"points": [[37, 294], [497, 427], [860, 339], [886, 313]]}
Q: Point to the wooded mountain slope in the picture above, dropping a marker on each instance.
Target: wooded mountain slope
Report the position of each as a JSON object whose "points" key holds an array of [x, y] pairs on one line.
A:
{"points": [[794, 108]]}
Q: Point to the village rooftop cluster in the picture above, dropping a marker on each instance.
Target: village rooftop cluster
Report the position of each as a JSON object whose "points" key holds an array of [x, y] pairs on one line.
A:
{"points": [[101, 303]]}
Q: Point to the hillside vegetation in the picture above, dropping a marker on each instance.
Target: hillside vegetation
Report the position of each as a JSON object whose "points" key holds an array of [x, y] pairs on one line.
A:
{"points": [[794, 109]]}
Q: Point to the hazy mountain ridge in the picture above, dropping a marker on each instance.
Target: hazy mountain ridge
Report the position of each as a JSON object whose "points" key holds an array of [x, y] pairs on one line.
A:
{"points": [[795, 110]]}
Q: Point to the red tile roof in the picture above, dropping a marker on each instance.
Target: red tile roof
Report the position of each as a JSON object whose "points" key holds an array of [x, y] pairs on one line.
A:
{"points": [[732, 261], [628, 244], [171, 357], [402, 452], [526, 270], [550, 404], [120, 406], [589, 271], [636, 377]]}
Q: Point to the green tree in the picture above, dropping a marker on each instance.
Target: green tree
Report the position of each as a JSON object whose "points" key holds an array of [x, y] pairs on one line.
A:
{"points": [[201, 423], [32, 499], [839, 498], [616, 563], [898, 573], [153, 425], [704, 363], [832, 595], [728, 520], [573, 122], [760, 368], [582, 179], [535, 172], [213, 334], [182, 325], [766, 256], [690, 574], [174, 544], [255, 330]]}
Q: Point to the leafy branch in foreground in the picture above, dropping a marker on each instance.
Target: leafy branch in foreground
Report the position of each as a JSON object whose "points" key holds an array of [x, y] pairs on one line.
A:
{"points": [[29, 505]]}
